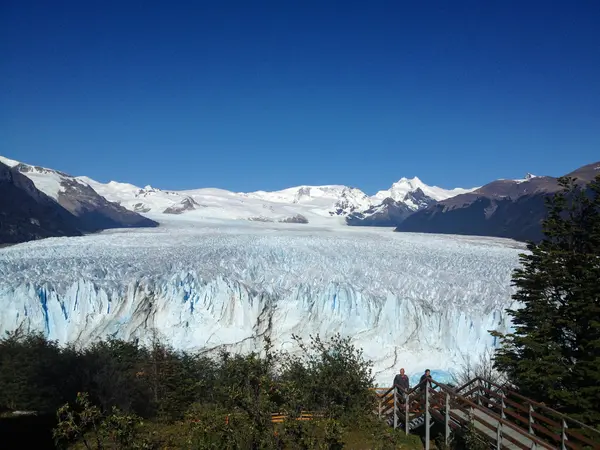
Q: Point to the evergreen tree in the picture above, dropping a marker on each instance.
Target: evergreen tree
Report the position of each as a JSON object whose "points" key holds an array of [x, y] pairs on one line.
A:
{"points": [[553, 354], [35, 374]]}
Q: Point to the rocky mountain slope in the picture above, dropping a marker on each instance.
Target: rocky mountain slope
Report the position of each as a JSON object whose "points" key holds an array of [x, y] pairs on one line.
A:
{"points": [[56, 204], [27, 214], [94, 211], [390, 212], [502, 208]]}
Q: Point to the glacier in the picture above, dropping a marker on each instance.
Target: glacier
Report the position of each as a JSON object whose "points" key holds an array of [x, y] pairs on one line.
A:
{"points": [[409, 300]]}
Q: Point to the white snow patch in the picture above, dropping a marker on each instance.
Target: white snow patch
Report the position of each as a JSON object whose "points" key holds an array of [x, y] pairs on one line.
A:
{"points": [[9, 162], [528, 177], [48, 183]]}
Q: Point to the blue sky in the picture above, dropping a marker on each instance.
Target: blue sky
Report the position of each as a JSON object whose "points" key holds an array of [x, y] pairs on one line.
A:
{"points": [[269, 94]]}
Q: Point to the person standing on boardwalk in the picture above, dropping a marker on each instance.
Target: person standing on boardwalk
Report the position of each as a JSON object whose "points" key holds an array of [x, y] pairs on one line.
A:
{"points": [[425, 376], [401, 380]]}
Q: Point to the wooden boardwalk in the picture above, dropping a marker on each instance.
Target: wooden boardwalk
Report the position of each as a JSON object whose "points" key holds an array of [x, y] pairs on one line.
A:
{"points": [[501, 417], [488, 426]]}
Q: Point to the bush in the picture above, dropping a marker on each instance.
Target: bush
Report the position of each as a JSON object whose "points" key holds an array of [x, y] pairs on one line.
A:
{"points": [[118, 394], [332, 377]]}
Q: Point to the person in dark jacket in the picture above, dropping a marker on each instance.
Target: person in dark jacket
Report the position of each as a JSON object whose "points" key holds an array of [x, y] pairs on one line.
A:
{"points": [[425, 376], [401, 380]]}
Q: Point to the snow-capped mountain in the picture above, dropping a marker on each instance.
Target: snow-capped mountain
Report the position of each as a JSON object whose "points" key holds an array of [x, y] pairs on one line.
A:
{"points": [[93, 212], [142, 200], [401, 191], [27, 213], [388, 213], [505, 208], [335, 199], [410, 301], [314, 204]]}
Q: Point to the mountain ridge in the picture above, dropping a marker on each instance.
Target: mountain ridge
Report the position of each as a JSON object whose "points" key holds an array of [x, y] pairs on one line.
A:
{"points": [[72, 207], [27, 213], [502, 208], [349, 204]]}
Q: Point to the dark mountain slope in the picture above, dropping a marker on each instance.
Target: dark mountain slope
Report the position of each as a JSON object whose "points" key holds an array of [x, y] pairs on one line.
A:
{"points": [[502, 208], [94, 211], [27, 214]]}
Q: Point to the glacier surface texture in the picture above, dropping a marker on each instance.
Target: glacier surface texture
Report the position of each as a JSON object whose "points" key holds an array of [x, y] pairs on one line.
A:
{"points": [[409, 300]]}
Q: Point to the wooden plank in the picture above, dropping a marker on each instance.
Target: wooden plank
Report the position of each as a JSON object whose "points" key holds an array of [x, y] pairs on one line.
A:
{"points": [[514, 404], [543, 418], [516, 438], [517, 416], [537, 427], [582, 438]]}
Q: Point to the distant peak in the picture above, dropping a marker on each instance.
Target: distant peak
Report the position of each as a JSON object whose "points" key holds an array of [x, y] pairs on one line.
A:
{"points": [[414, 180], [529, 176]]}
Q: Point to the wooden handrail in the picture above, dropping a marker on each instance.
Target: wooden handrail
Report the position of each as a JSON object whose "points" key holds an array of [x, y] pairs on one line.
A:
{"points": [[571, 433], [457, 398], [468, 383], [496, 401], [303, 416], [538, 405], [498, 418]]}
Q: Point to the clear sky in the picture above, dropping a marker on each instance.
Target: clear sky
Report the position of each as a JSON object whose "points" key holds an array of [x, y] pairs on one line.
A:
{"points": [[248, 95]]}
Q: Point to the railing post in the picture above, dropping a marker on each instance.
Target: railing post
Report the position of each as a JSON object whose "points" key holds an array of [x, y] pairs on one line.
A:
{"points": [[380, 406], [395, 407], [406, 413], [479, 391], [499, 436], [563, 435], [502, 405], [447, 420], [531, 419], [427, 418]]}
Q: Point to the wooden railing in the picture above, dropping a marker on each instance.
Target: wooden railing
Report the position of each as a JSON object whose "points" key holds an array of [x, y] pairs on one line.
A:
{"points": [[304, 415], [538, 419], [502, 417]]}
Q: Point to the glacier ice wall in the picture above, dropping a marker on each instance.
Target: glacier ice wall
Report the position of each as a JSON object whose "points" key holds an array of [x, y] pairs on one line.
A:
{"points": [[409, 300]]}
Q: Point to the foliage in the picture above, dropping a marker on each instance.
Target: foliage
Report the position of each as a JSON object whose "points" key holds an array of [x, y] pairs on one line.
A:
{"points": [[85, 423], [157, 397], [212, 427], [110, 372], [470, 439], [34, 373], [246, 384], [482, 367], [553, 355], [332, 377]]}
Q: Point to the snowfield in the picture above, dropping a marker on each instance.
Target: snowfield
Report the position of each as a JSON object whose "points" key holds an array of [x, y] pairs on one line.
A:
{"points": [[410, 300]]}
